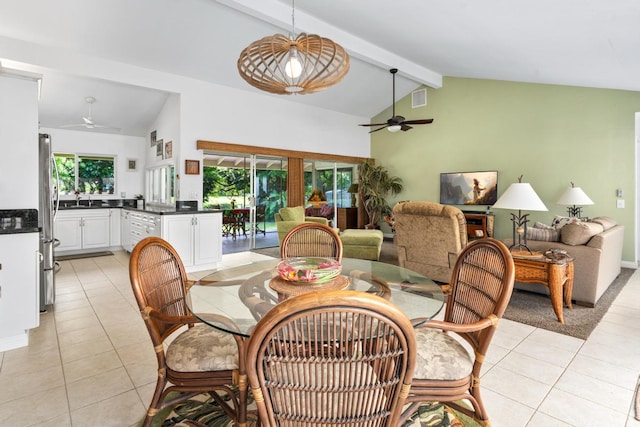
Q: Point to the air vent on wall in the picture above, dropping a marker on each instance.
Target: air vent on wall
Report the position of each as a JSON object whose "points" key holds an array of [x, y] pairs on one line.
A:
{"points": [[419, 98]]}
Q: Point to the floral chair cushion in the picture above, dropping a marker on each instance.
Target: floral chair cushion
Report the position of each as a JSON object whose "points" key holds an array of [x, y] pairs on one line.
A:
{"points": [[202, 348], [440, 356]]}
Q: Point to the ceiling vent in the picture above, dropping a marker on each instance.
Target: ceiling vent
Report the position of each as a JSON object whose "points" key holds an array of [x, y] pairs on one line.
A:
{"points": [[419, 98]]}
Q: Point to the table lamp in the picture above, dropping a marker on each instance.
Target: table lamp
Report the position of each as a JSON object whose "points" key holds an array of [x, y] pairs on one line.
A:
{"points": [[572, 197], [317, 198], [520, 196], [353, 189]]}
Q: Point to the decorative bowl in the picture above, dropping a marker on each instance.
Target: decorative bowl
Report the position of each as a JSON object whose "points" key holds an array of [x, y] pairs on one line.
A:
{"points": [[309, 269]]}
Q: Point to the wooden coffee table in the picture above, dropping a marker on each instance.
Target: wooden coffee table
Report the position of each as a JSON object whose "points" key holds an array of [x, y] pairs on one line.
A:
{"points": [[557, 274]]}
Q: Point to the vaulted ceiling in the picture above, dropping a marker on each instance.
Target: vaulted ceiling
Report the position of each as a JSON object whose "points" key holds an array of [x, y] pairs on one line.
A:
{"points": [[592, 43]]}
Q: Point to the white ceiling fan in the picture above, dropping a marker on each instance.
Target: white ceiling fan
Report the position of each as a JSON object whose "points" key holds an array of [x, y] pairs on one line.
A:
{"points": [[88, 121]]}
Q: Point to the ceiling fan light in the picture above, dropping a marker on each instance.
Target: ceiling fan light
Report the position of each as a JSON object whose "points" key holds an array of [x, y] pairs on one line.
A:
{"points": [[394, 128]]}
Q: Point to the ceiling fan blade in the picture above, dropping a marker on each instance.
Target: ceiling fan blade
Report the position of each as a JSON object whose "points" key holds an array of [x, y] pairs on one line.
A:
{"points": [[87, 120], [375, 124], [376, 130], [405, 127], [104, 127], [419, 122], [79, 125]]}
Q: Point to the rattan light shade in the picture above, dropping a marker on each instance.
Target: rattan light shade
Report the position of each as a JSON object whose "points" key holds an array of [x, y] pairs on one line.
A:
{"points": [[262, 64]]}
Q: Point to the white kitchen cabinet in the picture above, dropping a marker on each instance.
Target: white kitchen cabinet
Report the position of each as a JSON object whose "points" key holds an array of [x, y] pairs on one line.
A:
{"points": [[82, 229], [19, 288], [125, 230], [115, 238], [196, 238], [142, 225]]}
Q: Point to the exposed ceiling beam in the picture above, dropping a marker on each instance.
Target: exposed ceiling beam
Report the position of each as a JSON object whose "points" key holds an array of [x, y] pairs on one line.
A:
{"points": [[279, 14]]}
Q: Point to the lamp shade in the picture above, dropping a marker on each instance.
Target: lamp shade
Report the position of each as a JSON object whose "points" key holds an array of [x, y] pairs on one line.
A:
{"points": [[574, 196], [520, 196]]}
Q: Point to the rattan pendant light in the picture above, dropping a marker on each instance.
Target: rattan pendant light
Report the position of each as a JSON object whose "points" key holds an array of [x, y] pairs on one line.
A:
{"points": [[293, 65]]}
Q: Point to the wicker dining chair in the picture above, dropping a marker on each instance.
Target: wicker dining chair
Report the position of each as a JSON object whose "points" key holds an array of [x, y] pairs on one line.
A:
{"points": [[311, 239], [481, 286], [199, 358], [331, 358]]}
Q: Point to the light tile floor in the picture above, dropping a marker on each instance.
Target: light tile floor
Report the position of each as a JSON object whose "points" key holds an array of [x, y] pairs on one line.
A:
{"points": [[90, 363]]}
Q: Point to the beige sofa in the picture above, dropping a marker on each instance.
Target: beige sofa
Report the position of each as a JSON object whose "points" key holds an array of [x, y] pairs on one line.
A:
{"points": [[429, 238], [597, 251]]}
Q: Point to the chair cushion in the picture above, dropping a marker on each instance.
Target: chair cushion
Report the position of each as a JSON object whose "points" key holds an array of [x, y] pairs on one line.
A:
{"points": [[440, 356], [292, 214], [202, 348]]}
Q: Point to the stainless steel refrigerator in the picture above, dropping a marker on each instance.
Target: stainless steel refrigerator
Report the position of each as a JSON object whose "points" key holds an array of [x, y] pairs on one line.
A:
{"points": [[48, 208]]}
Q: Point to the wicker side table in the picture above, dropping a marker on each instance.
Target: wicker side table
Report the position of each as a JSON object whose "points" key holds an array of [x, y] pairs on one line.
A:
{"points": [[556, 274]]}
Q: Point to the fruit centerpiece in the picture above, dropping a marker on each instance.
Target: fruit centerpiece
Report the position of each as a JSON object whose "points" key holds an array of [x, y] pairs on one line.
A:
{"points": [[309, 269]]}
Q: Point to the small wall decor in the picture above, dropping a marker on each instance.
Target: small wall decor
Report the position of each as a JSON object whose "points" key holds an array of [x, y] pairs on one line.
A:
{"points": [[168, 149], [153, 138], [132, 165], [192, 167], [159, 148]]}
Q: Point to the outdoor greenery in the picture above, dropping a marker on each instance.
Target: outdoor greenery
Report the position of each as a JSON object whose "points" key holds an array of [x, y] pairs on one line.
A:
{"points": [[221, 185], [94, 174]]}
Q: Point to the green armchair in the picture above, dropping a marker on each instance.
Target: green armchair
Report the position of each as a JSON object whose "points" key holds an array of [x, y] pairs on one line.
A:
{"points": [[287, 218]]}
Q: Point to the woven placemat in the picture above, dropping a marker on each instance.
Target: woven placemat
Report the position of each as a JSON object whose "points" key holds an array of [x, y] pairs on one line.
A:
{"points": [[282, 286]]}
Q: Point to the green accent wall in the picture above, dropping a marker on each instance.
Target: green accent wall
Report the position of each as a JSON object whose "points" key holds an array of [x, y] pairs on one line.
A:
{"points": [[550, 134]]}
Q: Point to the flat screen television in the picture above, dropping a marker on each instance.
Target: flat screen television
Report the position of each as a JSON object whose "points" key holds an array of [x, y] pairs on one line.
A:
{"points": [[469, 188]]}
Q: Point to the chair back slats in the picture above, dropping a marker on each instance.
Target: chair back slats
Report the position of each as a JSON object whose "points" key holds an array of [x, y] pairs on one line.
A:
{"points": [[480, 284], [311, 239], [158, 280], [331, 358]]}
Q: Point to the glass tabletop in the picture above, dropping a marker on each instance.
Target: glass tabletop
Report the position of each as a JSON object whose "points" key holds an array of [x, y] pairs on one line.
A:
{"points": [[234, 299]]}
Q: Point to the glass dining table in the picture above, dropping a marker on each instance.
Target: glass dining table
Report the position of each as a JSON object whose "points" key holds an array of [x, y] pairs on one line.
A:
{"points": [[242, 295], [233, 300]]}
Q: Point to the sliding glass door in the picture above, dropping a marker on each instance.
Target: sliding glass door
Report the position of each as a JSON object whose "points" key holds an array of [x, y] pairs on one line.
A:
{"points": [[249, 189]]}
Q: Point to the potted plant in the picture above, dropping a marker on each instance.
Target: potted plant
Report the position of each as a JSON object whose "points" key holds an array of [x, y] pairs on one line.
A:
{"points": [[375, 183]]}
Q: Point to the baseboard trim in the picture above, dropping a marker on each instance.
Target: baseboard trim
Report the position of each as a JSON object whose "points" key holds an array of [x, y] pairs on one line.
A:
{"points": [[629, 264]]}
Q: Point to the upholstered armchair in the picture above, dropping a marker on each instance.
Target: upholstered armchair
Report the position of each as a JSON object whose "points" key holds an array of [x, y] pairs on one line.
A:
{"points": [[429, 238], [287, 218]]}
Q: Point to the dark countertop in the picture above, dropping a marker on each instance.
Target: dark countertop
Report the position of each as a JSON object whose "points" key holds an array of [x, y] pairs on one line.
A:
{"points": [[16, 221], [181, 208]]}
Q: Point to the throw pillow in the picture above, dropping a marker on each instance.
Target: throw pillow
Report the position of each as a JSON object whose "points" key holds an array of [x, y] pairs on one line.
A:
{"points": [[292, 214], [605, 221], [579, 233], [561, 221], [543, 225], [544, 234]]}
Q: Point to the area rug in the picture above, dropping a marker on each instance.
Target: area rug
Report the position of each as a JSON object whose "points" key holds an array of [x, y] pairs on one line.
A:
{"points": [[84, 255], [205, 411], [535, 309]]}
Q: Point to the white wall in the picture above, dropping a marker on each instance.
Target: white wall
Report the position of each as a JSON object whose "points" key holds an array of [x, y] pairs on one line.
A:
{"points": [[19, 143], [213, 112], [121, 146]]}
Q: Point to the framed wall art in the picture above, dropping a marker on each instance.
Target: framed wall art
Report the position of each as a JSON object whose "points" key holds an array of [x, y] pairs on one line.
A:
{"points": [[168, 150], [159, 148], [192, 167], [153, 138], [132, 165]]}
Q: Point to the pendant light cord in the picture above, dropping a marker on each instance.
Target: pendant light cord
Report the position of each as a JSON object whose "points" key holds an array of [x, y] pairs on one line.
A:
{"points": [[293, 19]]}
